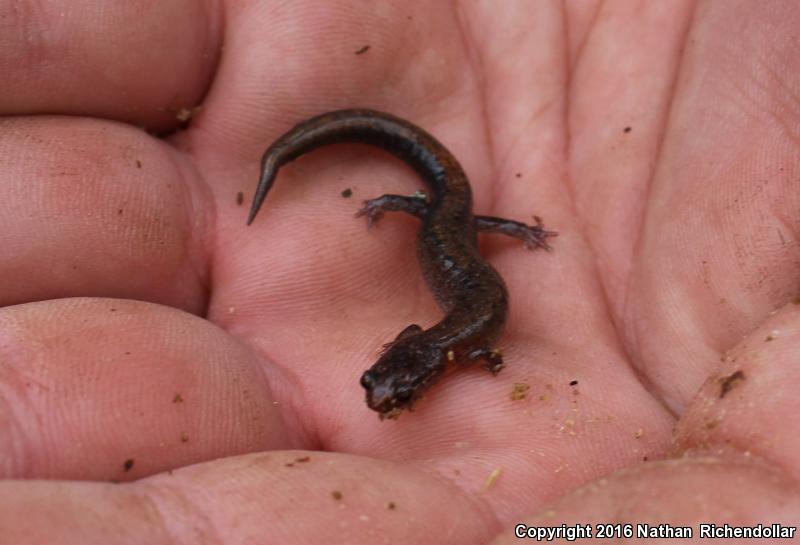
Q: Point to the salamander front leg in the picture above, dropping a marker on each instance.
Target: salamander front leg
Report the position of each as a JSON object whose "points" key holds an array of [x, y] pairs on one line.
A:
{"points": [[492, 359], [533, 236], [373, 210]]}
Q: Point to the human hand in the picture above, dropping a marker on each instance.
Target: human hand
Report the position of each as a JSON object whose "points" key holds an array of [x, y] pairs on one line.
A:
{"points": [[674, 248]]}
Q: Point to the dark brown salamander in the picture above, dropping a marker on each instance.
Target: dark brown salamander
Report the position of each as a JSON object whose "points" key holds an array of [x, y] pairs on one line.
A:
{"points": [[470, 291]]}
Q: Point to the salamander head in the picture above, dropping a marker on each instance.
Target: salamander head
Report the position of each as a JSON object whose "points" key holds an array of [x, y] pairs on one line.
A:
{"points": [[405, 370]]}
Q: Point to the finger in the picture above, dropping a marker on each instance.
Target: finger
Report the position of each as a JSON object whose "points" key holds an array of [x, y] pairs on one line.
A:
{"points": [[522, 55], [95, 208], [717, 253], [751, 404], [88, 59], [624, 67], [329, 70], [114, 389], [281, 497], [690, 492]]}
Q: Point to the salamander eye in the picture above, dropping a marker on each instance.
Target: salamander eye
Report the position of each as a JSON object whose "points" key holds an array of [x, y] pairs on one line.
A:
{"points": [[368, 380]]}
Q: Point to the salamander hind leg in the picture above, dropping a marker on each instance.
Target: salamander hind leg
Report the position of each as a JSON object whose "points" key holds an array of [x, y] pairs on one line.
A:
{"points": [[492, 359], [373, 209], [533, 236]]}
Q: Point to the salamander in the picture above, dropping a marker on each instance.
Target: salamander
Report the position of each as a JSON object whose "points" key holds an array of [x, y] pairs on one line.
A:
{"points": [[471, 293]]}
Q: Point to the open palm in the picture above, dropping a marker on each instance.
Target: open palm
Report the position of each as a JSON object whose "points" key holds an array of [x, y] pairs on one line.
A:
{"points": [[150, 337]]}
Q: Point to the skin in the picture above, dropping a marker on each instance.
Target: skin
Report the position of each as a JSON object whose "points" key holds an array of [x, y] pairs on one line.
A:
{"points": [[217, 362]]}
